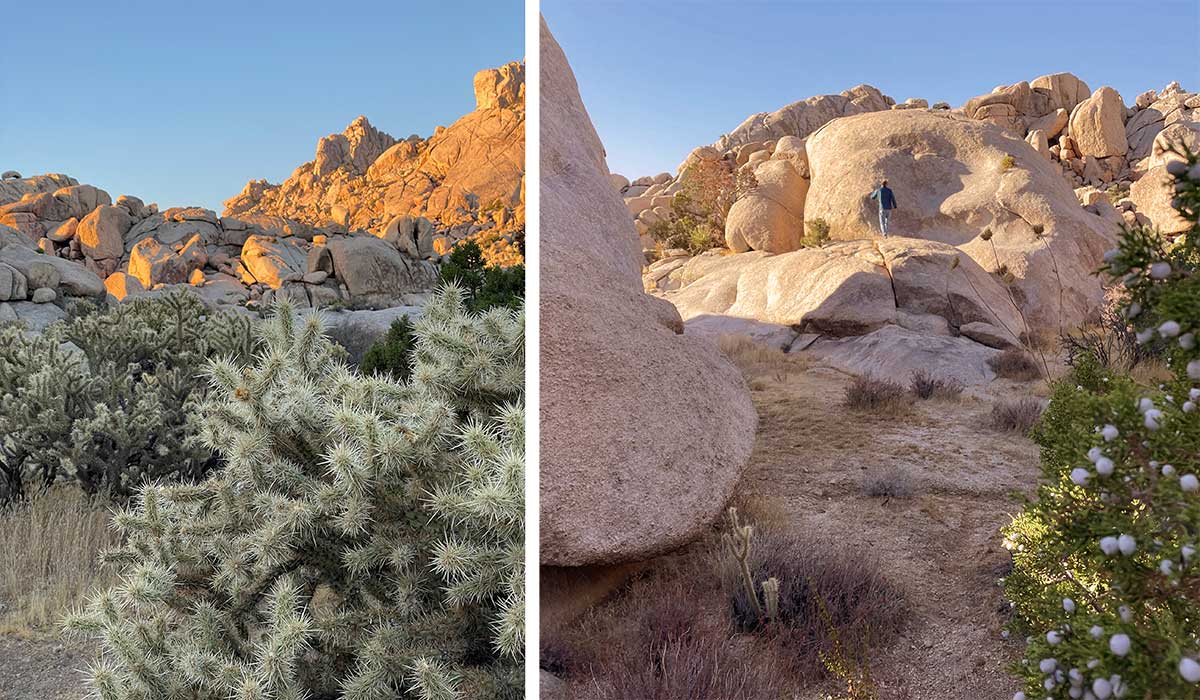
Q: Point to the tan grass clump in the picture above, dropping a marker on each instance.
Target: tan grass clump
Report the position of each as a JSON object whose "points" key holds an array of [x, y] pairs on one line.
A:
{"points": [[49, 548]]}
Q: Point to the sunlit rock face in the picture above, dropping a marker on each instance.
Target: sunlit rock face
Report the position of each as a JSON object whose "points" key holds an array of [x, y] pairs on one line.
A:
{"points": [[467, 179]]}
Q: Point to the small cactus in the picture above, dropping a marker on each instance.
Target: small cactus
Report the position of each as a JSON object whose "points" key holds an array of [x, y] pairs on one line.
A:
{"points": [[738, 540]]}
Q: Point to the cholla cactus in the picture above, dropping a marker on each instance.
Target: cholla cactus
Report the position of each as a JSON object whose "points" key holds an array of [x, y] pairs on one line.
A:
{"points": [[1106, 577], [107, 398], [363, 539]]}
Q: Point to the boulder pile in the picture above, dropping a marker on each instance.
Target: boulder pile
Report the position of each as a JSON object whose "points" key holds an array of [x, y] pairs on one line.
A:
{"points": [[127, 248], [362, 226], [1096, 142], [465, 181], [1029, 183]]}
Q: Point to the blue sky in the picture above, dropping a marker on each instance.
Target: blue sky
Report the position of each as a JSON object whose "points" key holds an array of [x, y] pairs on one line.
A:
{"points": [[660, 78], [182, 102]]}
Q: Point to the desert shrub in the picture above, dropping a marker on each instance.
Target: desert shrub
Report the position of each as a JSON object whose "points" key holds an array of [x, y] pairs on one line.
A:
{"points": [[708, 188], [49, 549], [829, 606], [816, 233], [867, 393], [486, 286], [391, 354], [1015, 363], [1105, 579], [924, 385], [1111, 343], [1017, 416], [363, 538], [667, 636], [757, 359], [694, 666], [107, 398], [1007, 163], [687, 232], [892, 482]]}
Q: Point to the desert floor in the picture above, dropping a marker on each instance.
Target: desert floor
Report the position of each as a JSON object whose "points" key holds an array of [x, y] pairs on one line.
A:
{"points": [[41, 668], [940, 544]]}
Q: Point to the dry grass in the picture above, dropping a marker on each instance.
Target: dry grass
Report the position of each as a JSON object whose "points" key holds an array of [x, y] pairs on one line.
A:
{"points": [[1015, 363], [877, 396], [665, 638], [832, 601], [924, 385], [892, 482], [758, 362], [1016, 416], [687, 630], [48, 558]]}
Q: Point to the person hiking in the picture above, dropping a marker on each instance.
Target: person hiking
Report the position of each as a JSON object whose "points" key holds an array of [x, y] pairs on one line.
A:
{"points": [[887, 202]]}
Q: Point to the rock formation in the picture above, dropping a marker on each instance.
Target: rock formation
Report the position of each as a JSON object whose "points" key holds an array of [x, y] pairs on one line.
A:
{"points": [[362, 226], [132, 248], [955, 179], [1028, 183], [619, 475], [466, 180]]}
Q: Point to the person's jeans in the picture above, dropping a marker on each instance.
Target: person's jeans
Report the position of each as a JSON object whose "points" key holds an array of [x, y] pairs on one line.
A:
{"points": [[885, 218]]}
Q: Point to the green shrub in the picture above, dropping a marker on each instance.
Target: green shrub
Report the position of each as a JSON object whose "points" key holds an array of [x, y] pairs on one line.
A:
{"points": [[486, 286], [363, 539], [1007, 163], [698, 210], [107, 398], [391, 354], [816, 233], [1106, 579]]}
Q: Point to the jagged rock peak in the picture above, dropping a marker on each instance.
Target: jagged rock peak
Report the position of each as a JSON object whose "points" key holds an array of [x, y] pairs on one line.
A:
{"points": [[501, 88], [357, 147]]}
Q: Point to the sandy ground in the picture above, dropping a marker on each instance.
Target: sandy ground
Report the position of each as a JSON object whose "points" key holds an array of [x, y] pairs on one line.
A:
{"points": [[940, 544], [41, 669]]}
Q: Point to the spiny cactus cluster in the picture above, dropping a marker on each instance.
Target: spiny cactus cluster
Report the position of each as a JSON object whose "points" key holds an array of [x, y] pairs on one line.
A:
{"points": [[107, 398], [362, 540], [1106, 577], [737, 541]]}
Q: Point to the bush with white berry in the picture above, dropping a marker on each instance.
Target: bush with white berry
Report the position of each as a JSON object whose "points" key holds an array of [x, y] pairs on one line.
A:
{"points": [[1106, 558]]}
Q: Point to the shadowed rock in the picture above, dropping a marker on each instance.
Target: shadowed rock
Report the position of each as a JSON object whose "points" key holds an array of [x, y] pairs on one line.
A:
{"points": [[621, 478]]}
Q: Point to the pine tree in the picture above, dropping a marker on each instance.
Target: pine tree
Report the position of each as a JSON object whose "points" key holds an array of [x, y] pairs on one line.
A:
{"points": [[362, 540]]}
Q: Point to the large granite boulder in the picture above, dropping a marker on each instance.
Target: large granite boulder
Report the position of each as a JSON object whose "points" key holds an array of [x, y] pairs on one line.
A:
{"points": [[272, 261], [101, 234], [1097, 125], [154, 263], [1063, 90], [971, 185], [644, 431], [374, 271], [74, 279], [1169, 107], [770, 217], [1153, 192], [846, 289]]}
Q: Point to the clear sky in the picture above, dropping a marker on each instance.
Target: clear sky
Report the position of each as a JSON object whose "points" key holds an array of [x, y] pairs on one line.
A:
{"points": [[181, 103], [660, 78]]}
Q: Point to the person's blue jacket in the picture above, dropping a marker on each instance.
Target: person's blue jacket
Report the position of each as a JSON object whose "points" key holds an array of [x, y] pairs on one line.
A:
{"points": [[887, 200]]}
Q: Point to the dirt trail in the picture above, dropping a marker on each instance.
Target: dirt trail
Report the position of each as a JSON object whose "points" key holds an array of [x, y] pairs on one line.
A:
{"points": [[940, 544], [41, 669]]}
